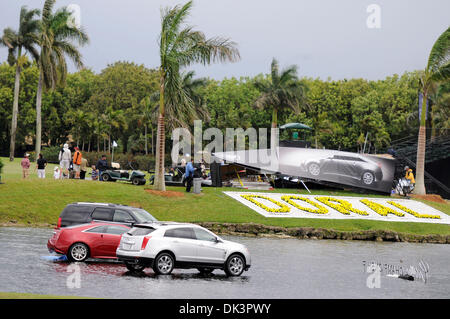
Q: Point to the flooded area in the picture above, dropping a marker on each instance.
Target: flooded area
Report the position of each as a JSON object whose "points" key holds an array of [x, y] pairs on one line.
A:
{"points": [[281, 268]]}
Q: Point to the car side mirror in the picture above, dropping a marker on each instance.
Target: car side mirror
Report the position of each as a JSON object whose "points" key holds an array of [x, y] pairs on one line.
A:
{"points": [[217, 240]]}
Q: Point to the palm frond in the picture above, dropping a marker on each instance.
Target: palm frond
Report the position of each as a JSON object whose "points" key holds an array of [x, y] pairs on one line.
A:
{"points": [[440, 54]]}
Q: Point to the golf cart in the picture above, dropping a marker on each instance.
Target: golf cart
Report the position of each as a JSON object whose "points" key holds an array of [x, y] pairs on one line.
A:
{"points": [[113, 174], [174, 178]]}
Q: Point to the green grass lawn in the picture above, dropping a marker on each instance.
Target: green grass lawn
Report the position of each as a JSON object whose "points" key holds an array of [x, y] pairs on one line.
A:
{"points": [[36, 202]]}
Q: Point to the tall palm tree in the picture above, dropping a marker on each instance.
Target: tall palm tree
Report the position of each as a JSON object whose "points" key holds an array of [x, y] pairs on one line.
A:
{"points": [[282, 91], [76, 118], [191, 86], [184, 105], [180, 46], [23, 40], [437, 70], [145, 118], [55, 39], [115, 121], [440, 111]]}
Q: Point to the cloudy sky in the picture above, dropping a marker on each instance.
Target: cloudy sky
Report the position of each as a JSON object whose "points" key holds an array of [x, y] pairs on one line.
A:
{"points": [[325, 38]]}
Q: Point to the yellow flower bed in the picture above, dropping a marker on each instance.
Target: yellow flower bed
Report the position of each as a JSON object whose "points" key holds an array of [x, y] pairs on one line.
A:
{"points": [[319, 210], [343, 206], [283, 208], [410, 211], [380, 209]]}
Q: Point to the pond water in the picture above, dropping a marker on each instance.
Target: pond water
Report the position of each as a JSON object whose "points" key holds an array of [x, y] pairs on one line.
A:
{"points": [[281, 268]]}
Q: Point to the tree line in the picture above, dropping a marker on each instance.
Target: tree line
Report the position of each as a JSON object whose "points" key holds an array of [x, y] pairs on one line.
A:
{"points": [[118, 104]]}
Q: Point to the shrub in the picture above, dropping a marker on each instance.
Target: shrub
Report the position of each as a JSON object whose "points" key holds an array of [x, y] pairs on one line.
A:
{"points": [[51, 154]]}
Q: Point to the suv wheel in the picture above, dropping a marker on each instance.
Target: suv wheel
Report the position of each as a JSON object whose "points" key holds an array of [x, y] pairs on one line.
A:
{"points": [[78, 252], [163, 264], [134, 267], [368, 178], [235, 265]]}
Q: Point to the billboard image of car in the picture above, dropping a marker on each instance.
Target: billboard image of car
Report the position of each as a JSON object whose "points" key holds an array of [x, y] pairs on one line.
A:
{"points": [[345, 168]]}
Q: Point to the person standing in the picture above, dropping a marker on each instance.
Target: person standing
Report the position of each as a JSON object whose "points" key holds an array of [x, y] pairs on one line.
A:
{"points": [[83, 168], [189, 175], [77, 156], [102, 165], [25, 163], [64, 160], [409, 175], [41, 165]]}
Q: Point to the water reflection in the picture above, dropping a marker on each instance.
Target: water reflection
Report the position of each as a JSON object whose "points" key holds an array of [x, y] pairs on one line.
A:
{"points": [[115, 268], [186, 276]]}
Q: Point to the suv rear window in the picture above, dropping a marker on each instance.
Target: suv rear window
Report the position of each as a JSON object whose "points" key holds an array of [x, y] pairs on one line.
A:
{"points": [[180, 233], [101, 213], [76, 213], [140, 231], [122, 216]]}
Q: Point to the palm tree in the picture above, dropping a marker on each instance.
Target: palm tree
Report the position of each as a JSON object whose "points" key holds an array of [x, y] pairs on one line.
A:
{"points": [[18, 41], [115, 121], [76, 118], [99, 129], [282, 91], [185, 105], [440, 111], [146, 117], [191, 87], [55, 39], [437, 70], [179, 47]]}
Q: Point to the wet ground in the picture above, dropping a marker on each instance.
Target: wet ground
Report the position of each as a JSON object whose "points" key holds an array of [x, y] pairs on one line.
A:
{"points": [[281, 268]]}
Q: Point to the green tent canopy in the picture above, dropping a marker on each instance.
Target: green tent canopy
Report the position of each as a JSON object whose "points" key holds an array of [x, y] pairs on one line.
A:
{"points": [[295, 126]]}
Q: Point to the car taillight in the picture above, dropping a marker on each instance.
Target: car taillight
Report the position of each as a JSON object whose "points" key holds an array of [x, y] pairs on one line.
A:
{"points": [[59, 223], [145, 241], [56, 234]]}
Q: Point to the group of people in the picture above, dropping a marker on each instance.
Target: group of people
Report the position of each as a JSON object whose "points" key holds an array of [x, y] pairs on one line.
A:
{"points": [[77, 162], [70, 165]]}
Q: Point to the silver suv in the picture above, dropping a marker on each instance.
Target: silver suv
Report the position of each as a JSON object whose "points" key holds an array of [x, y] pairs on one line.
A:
{"points": [[165, 246]]}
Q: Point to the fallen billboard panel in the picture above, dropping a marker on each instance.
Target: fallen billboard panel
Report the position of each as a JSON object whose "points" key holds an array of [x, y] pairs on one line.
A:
{"points": [[344, 168]]}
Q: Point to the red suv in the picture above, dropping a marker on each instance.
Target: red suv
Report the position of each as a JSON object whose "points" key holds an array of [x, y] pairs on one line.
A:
{"points": [[94, 240]]}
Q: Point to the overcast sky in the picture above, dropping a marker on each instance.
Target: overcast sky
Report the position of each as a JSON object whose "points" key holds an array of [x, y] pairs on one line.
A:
{"points": [[325, 38]]}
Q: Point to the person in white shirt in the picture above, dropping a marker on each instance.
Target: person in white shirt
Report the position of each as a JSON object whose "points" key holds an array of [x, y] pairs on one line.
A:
{"points": [[65, 156]]}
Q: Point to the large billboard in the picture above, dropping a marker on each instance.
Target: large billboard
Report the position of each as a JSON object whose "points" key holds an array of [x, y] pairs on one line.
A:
{"points": [[345, 168]]}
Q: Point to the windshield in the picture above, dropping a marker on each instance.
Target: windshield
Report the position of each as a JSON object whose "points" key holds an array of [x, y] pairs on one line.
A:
{"points": [[143, 216]]}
